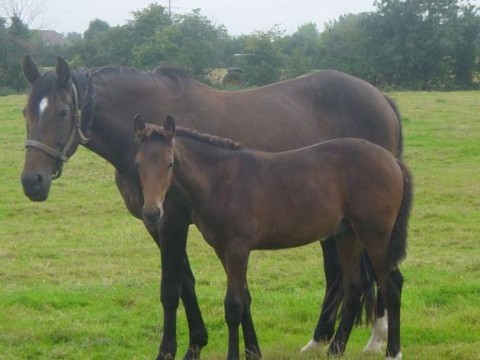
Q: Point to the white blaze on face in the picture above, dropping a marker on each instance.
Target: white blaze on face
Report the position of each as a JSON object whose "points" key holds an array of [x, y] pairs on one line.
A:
{"points": [[42, 106]]}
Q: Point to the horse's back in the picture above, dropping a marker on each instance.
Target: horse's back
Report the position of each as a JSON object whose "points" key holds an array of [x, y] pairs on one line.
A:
{"points": [[293, 113]]}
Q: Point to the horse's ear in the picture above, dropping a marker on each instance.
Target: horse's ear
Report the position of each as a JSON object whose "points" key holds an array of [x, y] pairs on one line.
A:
{"points": [[138, 124], [63, 71], [169, 127], [30, 70]]}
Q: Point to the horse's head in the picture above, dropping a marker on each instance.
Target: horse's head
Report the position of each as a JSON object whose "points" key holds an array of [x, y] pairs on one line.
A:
{"points": [[52, 117], [154, 162]]}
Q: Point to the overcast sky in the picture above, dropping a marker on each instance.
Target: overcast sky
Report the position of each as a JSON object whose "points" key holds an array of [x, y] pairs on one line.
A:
{"points": [[239, 17]]}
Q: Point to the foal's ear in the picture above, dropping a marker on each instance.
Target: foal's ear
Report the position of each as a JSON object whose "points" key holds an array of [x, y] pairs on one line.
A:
{"points": [[138, 124], [169, 127], [63, 71], [30, 70]]}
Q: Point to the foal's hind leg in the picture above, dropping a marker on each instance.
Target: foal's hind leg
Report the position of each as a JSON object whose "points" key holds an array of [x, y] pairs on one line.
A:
{"points": [[349, 254], [333, 296]]}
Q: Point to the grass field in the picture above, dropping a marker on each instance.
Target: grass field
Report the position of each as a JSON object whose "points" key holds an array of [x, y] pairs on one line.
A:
{"points": [[79, 277]]}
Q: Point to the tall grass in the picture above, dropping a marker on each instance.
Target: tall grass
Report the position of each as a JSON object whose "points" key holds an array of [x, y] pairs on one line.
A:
{"points": [[79, 277]]}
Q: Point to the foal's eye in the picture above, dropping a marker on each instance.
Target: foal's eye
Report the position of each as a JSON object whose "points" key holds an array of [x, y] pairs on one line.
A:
{"points": [[170, 165]]}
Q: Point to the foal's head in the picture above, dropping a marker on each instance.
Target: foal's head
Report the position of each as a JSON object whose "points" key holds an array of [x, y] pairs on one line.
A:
{"points": [[154, 162]]}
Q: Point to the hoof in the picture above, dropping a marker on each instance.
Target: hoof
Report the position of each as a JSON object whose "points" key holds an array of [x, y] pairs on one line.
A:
{"points": [[193, 353], [398, 357], [312, 344], [167, 356]]}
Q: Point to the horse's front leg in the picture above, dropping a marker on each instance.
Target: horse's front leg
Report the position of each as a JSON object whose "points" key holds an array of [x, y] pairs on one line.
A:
{"points": [[177, 280]]}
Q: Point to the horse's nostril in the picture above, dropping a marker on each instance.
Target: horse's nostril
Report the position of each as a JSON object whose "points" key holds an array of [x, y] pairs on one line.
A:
{"points": [[39, 180], [152, 216], [32, 180]]}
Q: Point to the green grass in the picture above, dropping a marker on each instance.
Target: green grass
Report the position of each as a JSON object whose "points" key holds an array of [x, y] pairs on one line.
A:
{"points": [[79, 277]]}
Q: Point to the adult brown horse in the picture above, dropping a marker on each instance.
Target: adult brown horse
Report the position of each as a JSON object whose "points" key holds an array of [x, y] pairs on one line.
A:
{"points": [[243, 200], [94, 107]]}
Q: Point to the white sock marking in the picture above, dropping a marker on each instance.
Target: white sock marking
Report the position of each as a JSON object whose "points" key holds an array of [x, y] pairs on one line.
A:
{"points": [[312, 344], [379, 335]]}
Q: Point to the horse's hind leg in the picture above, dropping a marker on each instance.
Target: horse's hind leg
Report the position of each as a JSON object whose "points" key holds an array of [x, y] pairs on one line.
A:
{"points": [[349, 254], [380, 326], [393, 292], [333, 296], [390, 284]]}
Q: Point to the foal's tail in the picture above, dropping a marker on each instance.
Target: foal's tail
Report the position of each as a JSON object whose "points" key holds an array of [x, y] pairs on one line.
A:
{"points": [[398, 243]]}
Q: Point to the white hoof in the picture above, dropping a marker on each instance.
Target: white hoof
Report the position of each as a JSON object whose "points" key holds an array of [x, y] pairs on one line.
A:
{"points": [[398, 357], [379, 335], [312, 344]]}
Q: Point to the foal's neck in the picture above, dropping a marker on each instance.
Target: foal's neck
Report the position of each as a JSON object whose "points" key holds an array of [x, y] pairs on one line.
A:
{"points": [[203, 167]]}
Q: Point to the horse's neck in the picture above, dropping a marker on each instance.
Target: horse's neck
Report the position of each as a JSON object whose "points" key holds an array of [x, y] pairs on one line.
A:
{"points": [[112, 136]]}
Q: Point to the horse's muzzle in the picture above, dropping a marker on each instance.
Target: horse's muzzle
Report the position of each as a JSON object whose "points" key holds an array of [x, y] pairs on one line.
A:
{"points": [[35, 186]]}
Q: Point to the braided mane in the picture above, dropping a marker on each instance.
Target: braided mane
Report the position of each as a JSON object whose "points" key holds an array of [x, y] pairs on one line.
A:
{"points": [[153, 130]]}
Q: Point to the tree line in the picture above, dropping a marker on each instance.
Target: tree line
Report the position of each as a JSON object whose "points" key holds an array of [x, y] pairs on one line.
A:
{"points": [[403, 44]]}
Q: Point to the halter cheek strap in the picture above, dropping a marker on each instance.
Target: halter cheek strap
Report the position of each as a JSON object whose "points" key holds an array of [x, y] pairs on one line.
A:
{"points": [[61, 155]]}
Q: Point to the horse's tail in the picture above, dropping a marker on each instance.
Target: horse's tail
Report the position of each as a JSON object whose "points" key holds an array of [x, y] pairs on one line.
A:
{"points": [[394, 107], [398, 243]]}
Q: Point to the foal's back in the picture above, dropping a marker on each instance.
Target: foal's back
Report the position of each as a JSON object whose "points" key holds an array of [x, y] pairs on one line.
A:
{"points": [[296, 197]]}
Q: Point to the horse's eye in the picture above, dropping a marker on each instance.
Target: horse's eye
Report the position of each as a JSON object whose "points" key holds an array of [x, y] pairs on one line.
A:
{"points": [[137, 166], [63, 113], [170, 165]]}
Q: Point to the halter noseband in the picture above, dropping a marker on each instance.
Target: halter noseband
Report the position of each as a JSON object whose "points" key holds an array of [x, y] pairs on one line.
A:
{"points": [[60, 155]]}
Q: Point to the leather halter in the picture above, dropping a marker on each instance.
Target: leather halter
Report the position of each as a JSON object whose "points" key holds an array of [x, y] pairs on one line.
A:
{"points": [[61, 155]]}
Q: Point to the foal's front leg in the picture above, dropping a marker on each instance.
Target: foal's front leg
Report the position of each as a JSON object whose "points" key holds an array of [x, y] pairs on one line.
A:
{"points": [[177, 280], [235, 262]]}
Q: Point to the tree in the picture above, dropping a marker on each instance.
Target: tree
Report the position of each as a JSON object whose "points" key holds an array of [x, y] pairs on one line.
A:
{"points": [[344, 45], [416, 42], [30, 12], [264, 63], [190, 40], [95, 29], [16, 42], [302, 50]]}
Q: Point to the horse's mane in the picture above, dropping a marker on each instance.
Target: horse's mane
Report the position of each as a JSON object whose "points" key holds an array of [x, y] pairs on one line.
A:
{"points": [[152, 131], [172, 71], [113, 70]]}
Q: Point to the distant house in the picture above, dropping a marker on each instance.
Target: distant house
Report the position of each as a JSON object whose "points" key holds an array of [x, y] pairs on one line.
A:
{"points": [[51, 37]]}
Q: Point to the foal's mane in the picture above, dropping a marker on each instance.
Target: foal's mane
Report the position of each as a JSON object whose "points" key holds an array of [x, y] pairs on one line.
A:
{"points": [[153, 131]]}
